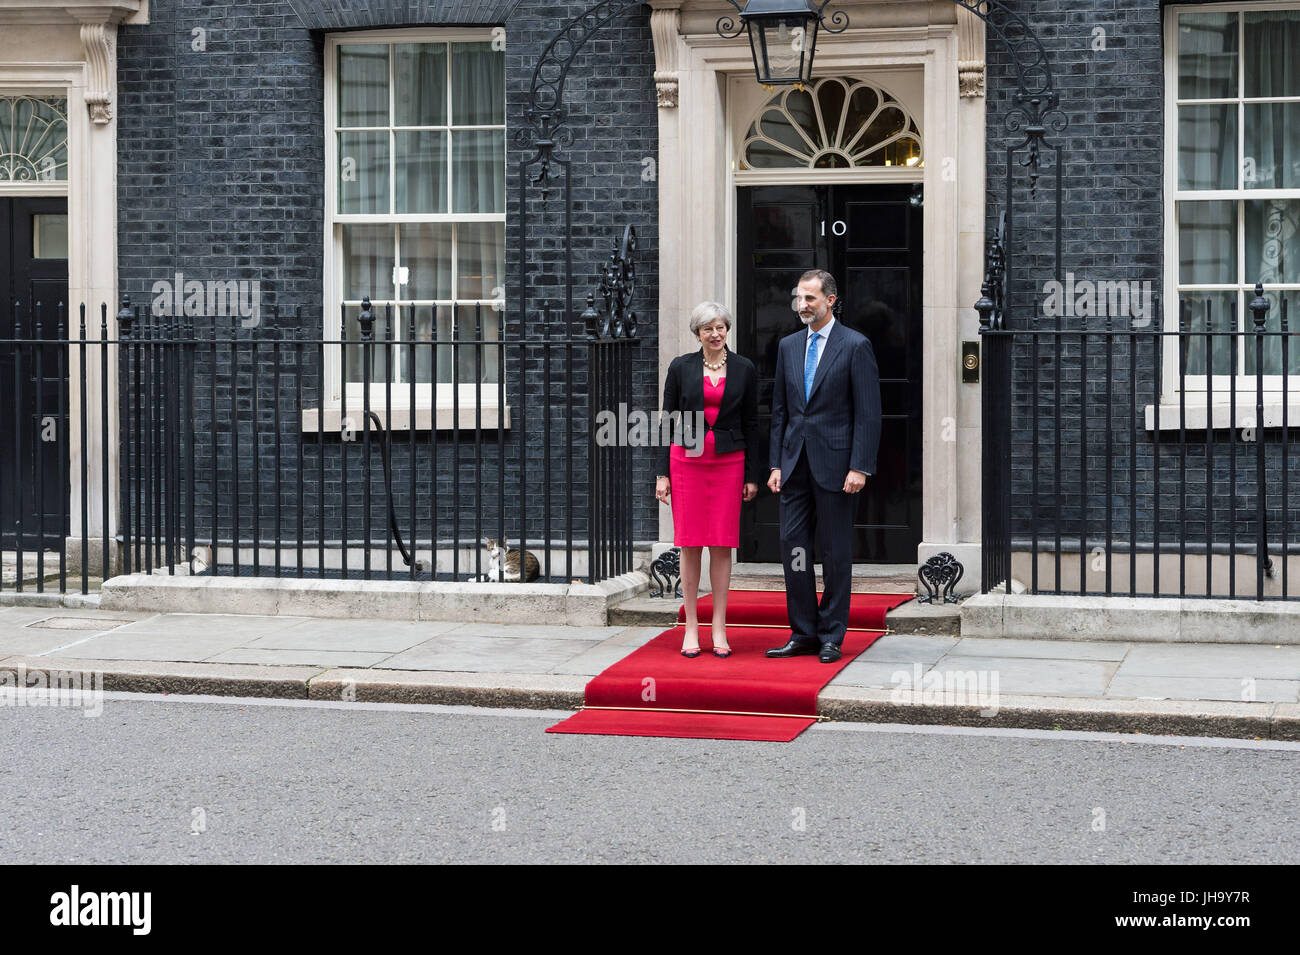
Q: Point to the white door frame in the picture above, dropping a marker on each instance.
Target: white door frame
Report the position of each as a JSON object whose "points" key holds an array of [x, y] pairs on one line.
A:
{"points": [[697, 225], [91, 191]]}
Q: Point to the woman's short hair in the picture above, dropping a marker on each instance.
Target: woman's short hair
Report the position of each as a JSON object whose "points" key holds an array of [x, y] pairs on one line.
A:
{"points": [[706, 312]]}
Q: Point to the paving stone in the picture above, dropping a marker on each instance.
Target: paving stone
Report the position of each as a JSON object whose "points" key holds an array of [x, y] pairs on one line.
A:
{"points": [[593, 660], [1213, 660], [1205, 688], [1039, 649], [633, 637], [244, 627], [24, 640], [887, 674], [389, 636], [534, 632], [324, 658], [908, 648], [184, 647], [1048, 677], [488, 654]]}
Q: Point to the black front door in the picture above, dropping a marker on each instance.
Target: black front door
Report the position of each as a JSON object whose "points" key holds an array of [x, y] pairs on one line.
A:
{"points": [[33, 393], [869, 238]]}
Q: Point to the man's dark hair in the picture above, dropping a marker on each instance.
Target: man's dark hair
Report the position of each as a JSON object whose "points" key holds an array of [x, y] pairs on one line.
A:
{"points": [[825, 278]]}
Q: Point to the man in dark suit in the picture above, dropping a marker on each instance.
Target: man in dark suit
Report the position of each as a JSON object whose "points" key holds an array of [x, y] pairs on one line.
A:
{"points": [[825, 432]]}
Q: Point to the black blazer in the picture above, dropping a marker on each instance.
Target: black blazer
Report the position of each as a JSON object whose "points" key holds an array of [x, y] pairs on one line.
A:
{"points": [[839, 423], [737, 424]]}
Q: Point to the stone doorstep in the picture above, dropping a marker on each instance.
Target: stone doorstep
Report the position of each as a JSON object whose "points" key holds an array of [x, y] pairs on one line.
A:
{"points": [[1142, 619], [1279, 721], [902, 583], [577, 604]]}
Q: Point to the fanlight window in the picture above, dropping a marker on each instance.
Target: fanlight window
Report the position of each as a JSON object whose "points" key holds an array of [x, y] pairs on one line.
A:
{"points": [[837, 124], [33, 139]]}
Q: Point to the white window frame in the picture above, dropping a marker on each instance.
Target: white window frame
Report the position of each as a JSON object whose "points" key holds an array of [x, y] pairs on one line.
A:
{"points": [[1171, 403], [434, 402]]}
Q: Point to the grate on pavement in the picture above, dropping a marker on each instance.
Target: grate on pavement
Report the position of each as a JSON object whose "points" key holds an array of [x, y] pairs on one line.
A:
{"points": [[77, 623]]}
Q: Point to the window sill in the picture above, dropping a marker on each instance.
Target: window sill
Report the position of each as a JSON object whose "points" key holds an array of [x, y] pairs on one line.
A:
{"points": [[487, 419], [1197, 414]]}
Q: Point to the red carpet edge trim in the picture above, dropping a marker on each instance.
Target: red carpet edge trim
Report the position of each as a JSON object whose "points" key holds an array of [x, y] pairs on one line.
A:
{"points": [[660, 709]]}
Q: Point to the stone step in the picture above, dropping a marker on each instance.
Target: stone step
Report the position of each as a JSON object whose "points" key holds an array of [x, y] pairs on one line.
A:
{"points": [[1131, 619], [901, 584], [912, 617], [645, 612]]}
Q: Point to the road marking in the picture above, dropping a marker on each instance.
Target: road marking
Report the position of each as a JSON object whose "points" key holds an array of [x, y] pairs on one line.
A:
{"points": [[1081, 736]]}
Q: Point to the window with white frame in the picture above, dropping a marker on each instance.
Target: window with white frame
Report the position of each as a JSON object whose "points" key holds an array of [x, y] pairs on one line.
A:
{"points": [[1233, 174], [415, 216]]}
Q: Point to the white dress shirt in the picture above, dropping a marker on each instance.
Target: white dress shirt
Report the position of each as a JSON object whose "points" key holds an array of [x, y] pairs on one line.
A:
{"points": [[821, 346]]}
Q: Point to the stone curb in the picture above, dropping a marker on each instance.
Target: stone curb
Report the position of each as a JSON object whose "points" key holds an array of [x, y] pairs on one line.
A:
{"points": [[1148, 717], [527, 691], [151, 676], [1278, 721]]}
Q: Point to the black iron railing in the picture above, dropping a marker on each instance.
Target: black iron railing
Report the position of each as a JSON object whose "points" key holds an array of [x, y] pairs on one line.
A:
{"points": [[198, 445], [1125, 458]]}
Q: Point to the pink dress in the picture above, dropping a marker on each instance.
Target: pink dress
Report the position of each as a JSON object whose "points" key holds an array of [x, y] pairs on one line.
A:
{"points": [[706, 487]]}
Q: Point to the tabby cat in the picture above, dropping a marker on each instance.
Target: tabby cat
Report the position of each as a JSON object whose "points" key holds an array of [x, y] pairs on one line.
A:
{"points": [[510, 572]]}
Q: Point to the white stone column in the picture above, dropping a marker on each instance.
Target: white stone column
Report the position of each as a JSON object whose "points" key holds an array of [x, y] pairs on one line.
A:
{"points": [[943, 178], [665, 20], [94, 224]]}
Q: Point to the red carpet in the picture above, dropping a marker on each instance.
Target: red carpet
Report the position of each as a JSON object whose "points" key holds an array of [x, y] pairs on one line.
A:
{"points": [[746, 696]]}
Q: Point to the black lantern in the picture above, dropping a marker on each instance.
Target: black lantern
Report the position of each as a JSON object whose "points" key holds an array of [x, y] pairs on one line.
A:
{"points": [[782, 37]]}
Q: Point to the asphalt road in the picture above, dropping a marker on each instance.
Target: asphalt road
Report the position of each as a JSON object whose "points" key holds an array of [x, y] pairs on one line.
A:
{"points": [[173, 780]]}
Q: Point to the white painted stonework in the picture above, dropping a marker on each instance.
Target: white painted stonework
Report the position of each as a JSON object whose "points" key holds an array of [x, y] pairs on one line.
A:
{"points": [[67, 48], [934, 64]]}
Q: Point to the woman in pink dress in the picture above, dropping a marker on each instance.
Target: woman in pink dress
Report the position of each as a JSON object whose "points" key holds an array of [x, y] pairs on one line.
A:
{"points": [[712, 464]]}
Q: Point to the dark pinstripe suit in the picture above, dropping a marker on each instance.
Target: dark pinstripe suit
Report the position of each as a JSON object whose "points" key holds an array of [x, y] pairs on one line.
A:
{"points": [[815, 443]]}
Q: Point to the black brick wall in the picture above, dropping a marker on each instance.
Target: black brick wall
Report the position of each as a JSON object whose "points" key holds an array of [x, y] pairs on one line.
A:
{"points": [[1112, 230], [222, 174]]}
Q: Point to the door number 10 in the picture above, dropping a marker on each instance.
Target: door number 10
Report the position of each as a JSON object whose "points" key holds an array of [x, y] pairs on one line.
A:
{"points": [[838, 227]]}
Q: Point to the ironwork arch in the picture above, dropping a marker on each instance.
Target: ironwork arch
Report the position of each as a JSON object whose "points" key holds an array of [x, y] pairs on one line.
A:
{"points": [[1034, 111]]}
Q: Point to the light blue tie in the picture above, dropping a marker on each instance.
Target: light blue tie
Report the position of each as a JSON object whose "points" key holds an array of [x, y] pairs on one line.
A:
{"points": [[810, 366]]}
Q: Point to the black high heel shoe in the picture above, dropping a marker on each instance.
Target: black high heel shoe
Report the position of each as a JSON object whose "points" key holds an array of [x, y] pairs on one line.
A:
{"points": [[722, 654], [691, 654]]}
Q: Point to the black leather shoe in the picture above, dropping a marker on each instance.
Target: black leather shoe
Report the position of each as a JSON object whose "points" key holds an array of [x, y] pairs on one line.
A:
{"points": [[830, 653], [792, 649]]}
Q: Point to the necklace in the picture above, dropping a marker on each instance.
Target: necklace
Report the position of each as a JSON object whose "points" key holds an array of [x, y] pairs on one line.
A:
{"points": [[715, 366]]}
